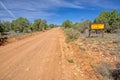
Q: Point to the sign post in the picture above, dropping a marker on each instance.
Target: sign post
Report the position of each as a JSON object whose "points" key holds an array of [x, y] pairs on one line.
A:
{"points": [[97, 26], [102, 33]]}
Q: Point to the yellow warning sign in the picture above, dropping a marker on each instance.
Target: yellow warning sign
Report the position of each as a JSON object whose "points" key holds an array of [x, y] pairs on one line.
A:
{"points": [[97, 26]]}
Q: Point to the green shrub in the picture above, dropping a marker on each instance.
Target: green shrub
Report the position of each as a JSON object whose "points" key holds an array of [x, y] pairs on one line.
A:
{"points": [[81, 48], [104, 71], [70, 60], [118, 65], [71, 34]]}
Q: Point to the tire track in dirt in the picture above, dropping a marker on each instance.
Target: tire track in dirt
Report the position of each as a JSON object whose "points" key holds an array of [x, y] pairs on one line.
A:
{"points": [[34, 58]]}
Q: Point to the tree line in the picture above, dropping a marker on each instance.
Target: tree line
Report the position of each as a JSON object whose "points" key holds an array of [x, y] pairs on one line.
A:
{"points": [[111, 20], [23, 25]]}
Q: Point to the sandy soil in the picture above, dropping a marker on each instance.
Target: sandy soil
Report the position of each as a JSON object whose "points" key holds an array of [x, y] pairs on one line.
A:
{"points": [[38, 57]]}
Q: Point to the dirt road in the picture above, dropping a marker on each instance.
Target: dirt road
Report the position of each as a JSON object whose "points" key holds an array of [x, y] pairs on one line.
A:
{"points": [[34, 58]]}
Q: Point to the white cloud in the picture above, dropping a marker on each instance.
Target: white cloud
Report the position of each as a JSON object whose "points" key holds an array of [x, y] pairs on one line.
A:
{"points": [[32, 9], [41, 4], [63, 3], [7, 9], [39, 14], [106, 4], [37, 8]]}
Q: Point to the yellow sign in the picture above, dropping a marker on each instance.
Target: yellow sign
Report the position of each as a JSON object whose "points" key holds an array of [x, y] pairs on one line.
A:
{"points": [[98, 26]]}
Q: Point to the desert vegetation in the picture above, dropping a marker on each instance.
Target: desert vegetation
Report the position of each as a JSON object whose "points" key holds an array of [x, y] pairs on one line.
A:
{"points": [[110, 19], [21, 26], [74, 30], [106, 49]]}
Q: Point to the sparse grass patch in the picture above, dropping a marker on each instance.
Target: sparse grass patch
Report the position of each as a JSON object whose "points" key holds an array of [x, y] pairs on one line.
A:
{"points": [[115, 42], [113, 52], [71, 34], [81, 48], [118, 65], [103, 71], [70, 60]]}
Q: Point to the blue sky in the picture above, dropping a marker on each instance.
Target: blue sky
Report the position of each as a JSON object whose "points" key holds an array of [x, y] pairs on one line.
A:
{"points": [[55, 11]]}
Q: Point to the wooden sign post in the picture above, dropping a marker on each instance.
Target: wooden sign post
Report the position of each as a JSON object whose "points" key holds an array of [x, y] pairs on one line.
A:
{"points": [[97, 26], [102, 33]]}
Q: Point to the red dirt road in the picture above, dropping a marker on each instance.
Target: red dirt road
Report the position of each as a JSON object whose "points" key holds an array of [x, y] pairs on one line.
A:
{"points": [[34, 58]]}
